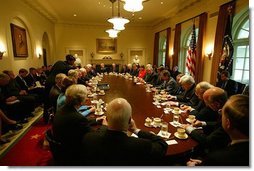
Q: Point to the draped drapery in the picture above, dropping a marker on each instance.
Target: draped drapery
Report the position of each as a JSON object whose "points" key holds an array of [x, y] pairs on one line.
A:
{"points": [[177, 41], [167, 62], [200, 47], [218, 43], [156, 48]]}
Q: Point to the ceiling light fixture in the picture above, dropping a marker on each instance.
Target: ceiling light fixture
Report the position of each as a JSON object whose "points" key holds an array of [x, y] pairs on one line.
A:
{"points": [[117, 21], [133, 5], [112, 33]]}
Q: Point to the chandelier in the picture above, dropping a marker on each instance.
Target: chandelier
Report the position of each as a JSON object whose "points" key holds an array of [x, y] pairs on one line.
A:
{"points": [[117, 21], [133, 5], [112, 33]]}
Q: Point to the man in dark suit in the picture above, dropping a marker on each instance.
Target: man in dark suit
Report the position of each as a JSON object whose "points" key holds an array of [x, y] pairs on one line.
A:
{"points": [[58, 67], [188, 97], [212, 136], [235, 121], [69, 126], [151, 76], [169, 83], [112, 146], [230, 86]]}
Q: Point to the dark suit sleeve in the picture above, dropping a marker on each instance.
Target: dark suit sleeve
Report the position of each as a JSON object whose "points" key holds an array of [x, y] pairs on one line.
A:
{"points": [[159, 146]]}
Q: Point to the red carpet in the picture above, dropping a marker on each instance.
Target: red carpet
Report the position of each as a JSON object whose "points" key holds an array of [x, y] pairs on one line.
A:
{"points": [[29, 150]]}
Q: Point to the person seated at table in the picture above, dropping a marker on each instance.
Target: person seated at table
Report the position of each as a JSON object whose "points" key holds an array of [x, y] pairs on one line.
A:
{"points": [[180, 89], [56, 90], [174, 72], [113, 68], [169, 83], [74, 75], [188, 97], [83, 79], [159, 81], [129, 68], [32, 77], [142, 72], [115, 147], [103, 69], [199, 91], [229, 85], [69, 126], [212, 137], [124, 69], [89, 71], [134, 70], [235, 122], [150, 76]]}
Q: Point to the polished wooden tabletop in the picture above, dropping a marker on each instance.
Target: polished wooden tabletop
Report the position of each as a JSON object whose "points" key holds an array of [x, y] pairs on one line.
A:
{"points": [[142, 107]]}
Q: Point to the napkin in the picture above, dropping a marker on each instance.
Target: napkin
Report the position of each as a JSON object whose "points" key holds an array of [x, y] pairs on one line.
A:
{"points": [[175, 124], [164, 136], [171, 142]]}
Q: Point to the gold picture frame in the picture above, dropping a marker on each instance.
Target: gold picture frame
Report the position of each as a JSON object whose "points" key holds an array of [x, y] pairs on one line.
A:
{"points": [[106, 46], [19, 41]]}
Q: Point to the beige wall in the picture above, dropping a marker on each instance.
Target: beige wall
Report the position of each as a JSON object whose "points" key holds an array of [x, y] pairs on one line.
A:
{"points": [[15, 11], [84, 37]]}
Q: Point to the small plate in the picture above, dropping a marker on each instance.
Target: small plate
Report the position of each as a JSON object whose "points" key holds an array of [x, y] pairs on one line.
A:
{"points": [[148, 125], [182, 138], [188, 120], [101, 113], [101, 94]]}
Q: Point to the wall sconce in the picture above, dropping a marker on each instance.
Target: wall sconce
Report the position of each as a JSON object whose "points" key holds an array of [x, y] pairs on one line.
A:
{"points": [[2, 54], [38, 52], [171, 53], [92, 54], [121, 55], [209, 52]]}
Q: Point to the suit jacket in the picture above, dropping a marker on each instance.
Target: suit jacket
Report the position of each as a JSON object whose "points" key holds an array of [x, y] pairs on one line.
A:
{"points": [[233, 155], [108, 147], [151, 78], [69, 126], [217, 139], [53, 95], [207, 114], [30, 80], [170, 86], [231, 87], [188, 97], [22, 84]]}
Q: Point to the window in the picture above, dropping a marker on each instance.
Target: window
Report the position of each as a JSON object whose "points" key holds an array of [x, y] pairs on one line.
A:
{"points": [[241, 51], [183, 55], [162, 48]]}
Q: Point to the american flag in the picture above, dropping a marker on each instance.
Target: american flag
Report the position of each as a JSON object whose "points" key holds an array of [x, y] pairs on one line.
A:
{"points": [[191, 54]]}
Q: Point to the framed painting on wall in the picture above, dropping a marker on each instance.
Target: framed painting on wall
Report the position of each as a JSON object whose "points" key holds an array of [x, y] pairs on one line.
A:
{"points": [[19, 41], [106, 46]]}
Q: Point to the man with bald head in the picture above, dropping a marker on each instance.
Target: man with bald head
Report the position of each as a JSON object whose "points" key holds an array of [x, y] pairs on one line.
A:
{"points": [[212, 137], [112, 146]]}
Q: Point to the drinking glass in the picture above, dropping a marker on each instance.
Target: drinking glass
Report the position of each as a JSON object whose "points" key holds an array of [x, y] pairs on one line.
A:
{"points": [[164, 128]]}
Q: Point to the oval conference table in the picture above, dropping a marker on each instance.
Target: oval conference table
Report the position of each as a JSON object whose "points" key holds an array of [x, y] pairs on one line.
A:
{"points": [[142, 107]]}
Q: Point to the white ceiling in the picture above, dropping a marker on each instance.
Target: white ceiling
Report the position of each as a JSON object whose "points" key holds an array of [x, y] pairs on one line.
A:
{"points": [[96, 12]]}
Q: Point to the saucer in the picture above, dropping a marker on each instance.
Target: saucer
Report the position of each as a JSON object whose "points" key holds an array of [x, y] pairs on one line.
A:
{"points": [[148, 125], [100, 113], [188, 120], [182, 138], [101, 94]]}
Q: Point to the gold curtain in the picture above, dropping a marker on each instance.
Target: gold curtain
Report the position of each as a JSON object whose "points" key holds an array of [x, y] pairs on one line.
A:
{"points": [[177, 41], [156, 49], [218, 42]]}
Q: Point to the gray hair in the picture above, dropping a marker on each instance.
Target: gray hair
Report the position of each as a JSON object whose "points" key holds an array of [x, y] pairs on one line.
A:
{"points": [[187, 79], [75, 94], [203, 86], [119, 114]]}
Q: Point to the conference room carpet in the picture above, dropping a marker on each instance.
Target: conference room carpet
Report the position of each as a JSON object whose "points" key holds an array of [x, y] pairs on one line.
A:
{"points": [[31, 150]]}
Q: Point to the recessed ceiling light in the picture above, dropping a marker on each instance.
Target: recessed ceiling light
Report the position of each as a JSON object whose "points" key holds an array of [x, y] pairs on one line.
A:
{"points": [[74, 15], [99, 3], [161, 2], [140, 18]]}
